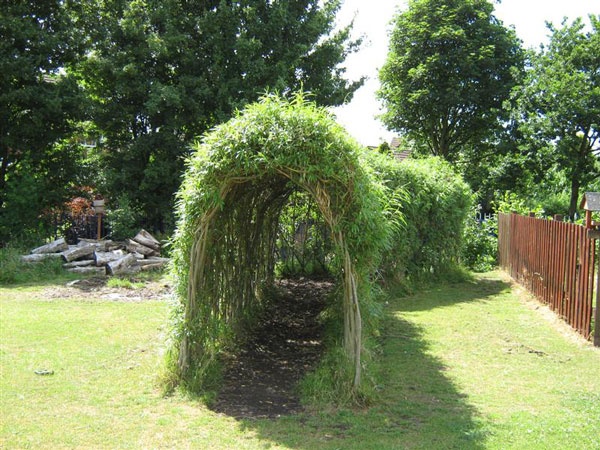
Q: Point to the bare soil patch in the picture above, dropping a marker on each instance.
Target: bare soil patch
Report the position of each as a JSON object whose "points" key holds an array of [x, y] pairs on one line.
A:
{"points": [[96, 288], [261, 381]]}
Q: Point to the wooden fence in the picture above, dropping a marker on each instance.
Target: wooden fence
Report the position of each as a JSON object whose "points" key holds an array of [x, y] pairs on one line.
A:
{"points": [[555, 261]]}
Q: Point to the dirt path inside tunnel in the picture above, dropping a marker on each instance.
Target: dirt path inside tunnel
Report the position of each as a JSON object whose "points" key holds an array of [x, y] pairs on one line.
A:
{"points": [[261, 381]]}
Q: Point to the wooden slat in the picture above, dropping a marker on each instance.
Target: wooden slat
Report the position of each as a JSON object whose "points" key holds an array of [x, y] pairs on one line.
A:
{"points": [[555, 261]]}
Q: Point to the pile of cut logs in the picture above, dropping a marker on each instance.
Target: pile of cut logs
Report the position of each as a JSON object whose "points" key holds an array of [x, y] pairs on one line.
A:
{"points": [[104, 257]]}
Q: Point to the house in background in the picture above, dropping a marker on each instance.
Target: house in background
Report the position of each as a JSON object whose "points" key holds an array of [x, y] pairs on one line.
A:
{"points": [[393, 149], [399, 153]]}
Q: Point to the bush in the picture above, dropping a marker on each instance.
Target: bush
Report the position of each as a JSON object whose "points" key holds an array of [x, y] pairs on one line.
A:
{"points": [[434, 202], [124, 219], [20, 211], [14, 271], [480, 249]]}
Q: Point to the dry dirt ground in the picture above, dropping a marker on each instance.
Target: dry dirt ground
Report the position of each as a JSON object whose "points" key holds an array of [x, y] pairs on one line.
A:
{"points": [[96, 288], [261, 381]]}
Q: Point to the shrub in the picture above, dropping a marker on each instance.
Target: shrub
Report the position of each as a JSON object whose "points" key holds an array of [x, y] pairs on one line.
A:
{"points": [[434, 202], [480, 248], [14, 271], [124, 218], [20, 212]]}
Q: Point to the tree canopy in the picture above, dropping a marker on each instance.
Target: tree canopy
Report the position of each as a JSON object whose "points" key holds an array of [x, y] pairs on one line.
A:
{"points": [[39, 106], [163, 72], [143, 79], [558, 105], [450, 66]]}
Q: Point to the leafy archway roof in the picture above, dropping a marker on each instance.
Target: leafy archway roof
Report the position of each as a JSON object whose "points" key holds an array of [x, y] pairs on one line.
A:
{"points": [[236, 184]]}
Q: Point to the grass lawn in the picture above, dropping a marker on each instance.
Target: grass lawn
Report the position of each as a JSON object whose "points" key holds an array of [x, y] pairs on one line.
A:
{"points": [[468, 366]]}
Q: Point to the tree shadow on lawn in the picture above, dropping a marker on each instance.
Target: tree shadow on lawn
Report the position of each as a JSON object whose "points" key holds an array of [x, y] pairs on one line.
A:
{"points": [[417, 405], [446, 294]]}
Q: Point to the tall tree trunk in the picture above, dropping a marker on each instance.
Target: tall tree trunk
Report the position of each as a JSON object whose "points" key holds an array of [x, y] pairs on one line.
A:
{"points": [[3, 170], [444, 149], [575, 184]]}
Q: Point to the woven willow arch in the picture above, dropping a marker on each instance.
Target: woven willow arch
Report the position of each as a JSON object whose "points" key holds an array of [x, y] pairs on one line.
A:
{"points": [[237, 183]]}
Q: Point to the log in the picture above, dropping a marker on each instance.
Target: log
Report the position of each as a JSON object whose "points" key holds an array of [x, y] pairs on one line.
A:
{"points": [[37, 257], [78, 252], [57, 246], [152, 266], [153, 261], [147, 240], [103, 258], [114, 247], [107, 246], [84, 241], [102, 245], [136, 247], [89, 270], [84, 263], [125, 265]]}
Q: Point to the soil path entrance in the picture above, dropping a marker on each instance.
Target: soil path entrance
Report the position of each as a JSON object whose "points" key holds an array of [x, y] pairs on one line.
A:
{"points": [[261, 381]]}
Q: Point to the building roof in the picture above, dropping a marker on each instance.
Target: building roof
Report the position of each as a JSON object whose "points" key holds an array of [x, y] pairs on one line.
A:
{"points": [[590, 201], [395, 143], [401, 156], [399, 153]]}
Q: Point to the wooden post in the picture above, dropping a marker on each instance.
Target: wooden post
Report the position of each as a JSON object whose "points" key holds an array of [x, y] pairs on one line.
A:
{"points": [[595, 234], [597, 316], [98, 207], [99, 221]]}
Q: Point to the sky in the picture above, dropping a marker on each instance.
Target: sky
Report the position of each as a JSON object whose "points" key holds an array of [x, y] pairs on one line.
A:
{"points": [[372, 19]]}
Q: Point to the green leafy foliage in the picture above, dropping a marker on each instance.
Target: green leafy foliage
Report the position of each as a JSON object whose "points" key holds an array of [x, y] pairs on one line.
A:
{"points": [[450, 66], [38, 108], [37, 189], [434, 202], [237, 184], [558, 105], [304, 244], [161, 73], [510, 202], [480, 247], [124, 218]]}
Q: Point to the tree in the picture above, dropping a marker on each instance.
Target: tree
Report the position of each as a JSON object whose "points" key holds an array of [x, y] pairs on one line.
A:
{"points": [[450, 67], [38, 106], [163, 72], [558, 106]]}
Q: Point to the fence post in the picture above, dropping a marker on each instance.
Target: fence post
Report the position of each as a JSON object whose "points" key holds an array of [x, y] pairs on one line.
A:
{"points": [[595, 234], [597, 318]]}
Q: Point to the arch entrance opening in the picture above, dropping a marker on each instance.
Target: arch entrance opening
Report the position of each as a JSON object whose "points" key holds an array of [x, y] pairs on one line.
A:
{"points": [[238, 182]]}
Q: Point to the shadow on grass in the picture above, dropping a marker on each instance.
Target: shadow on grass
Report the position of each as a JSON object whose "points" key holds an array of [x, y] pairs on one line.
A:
{"points": [[478, 289], [418, 405]]}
